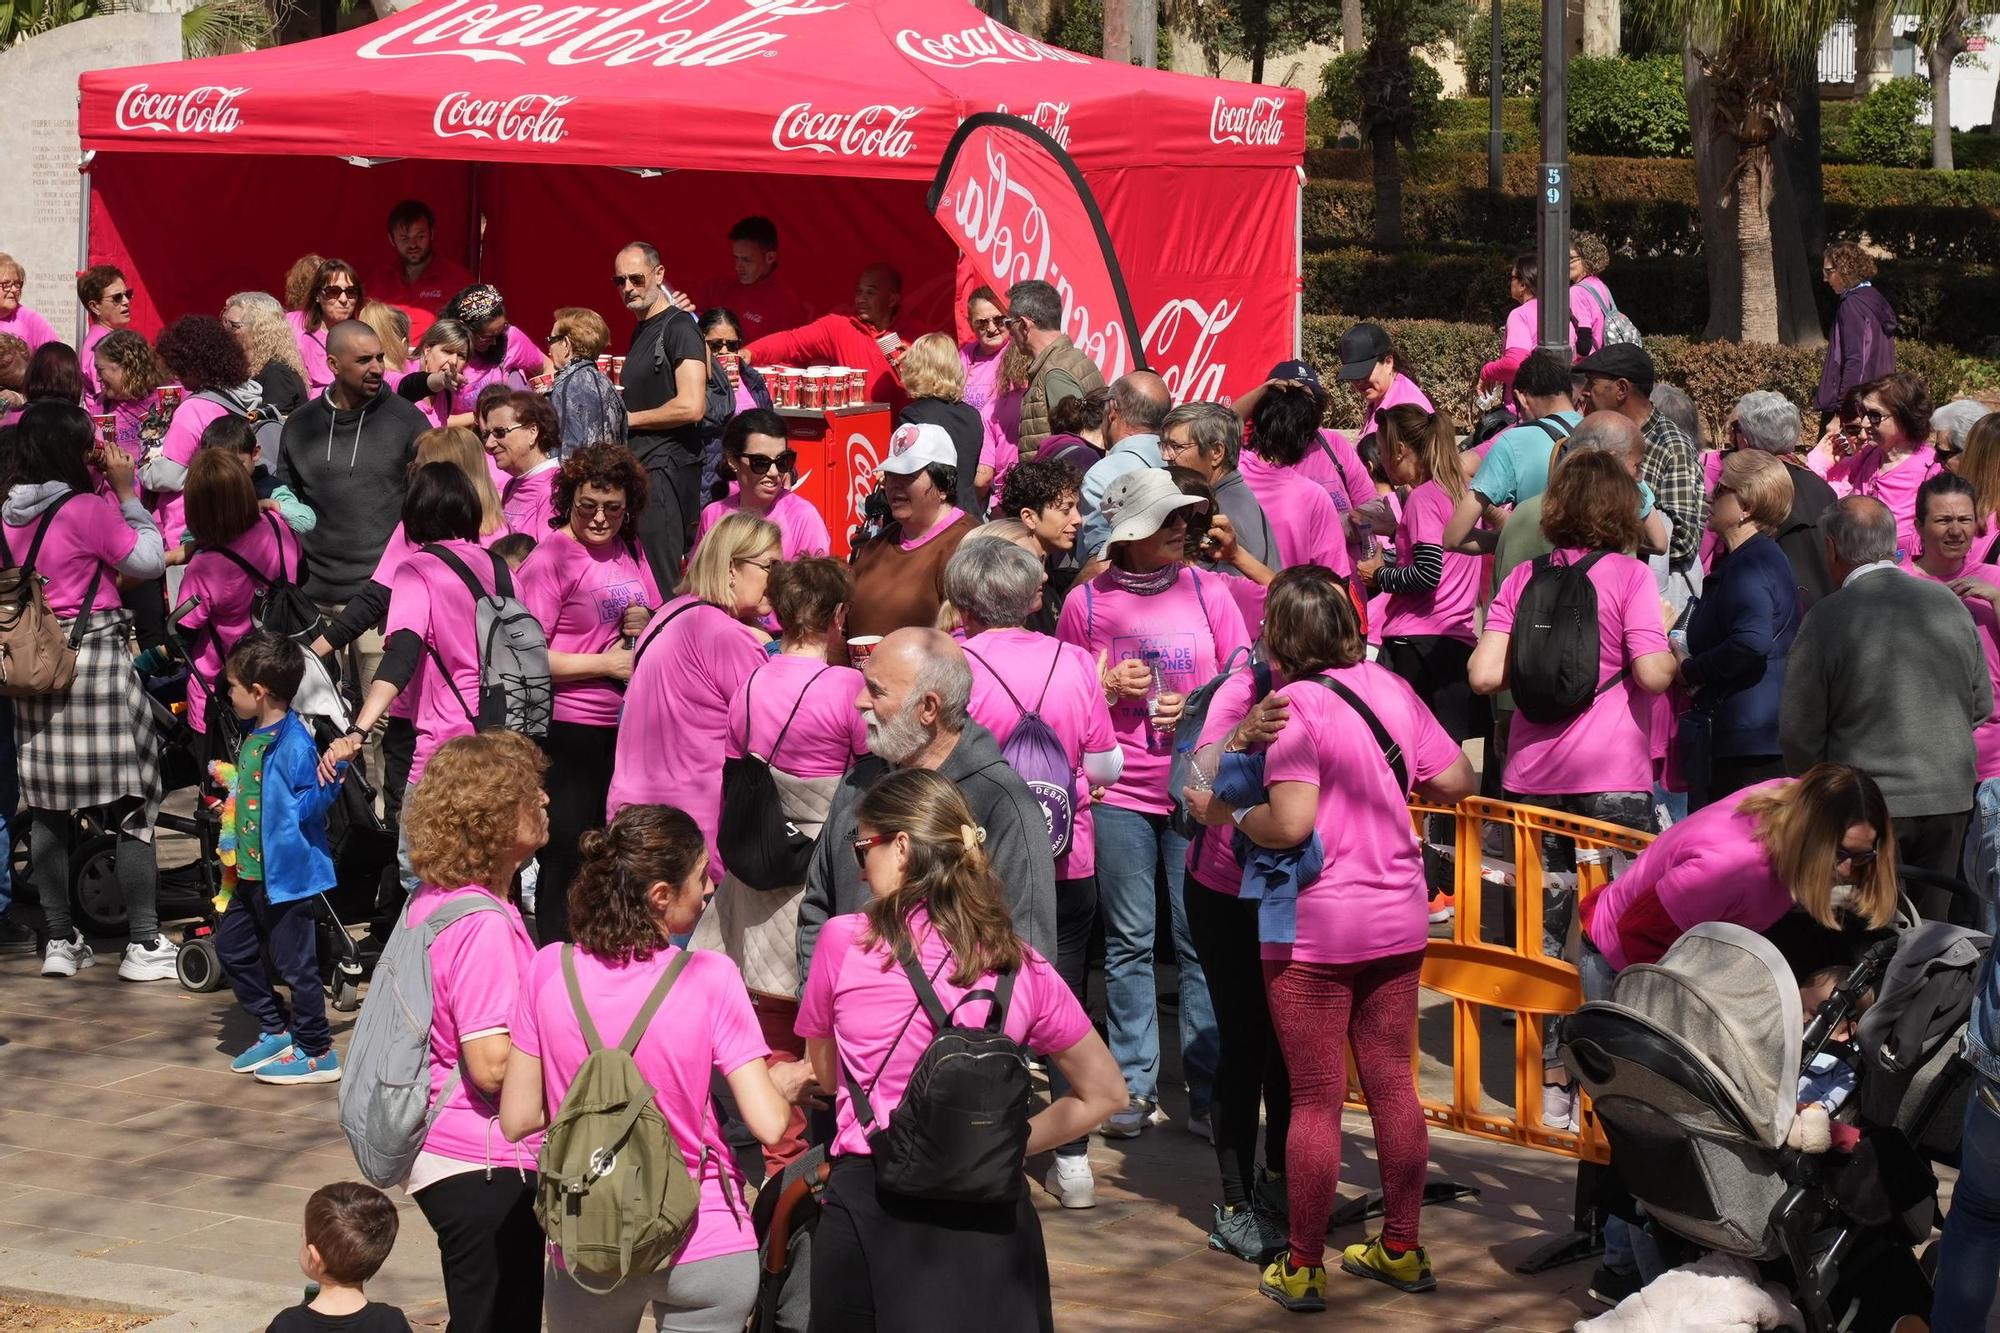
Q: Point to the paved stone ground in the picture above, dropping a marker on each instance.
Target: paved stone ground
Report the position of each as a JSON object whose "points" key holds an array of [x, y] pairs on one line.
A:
{"points": [[123, 1137]]}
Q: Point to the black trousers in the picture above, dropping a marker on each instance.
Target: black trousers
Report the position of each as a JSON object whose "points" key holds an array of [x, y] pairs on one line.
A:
{"points": [[1435, 666], [1729, 774], [667, 523], [1249, 1067], [579, 782], [292, 931], [491, 1248], [1934, 843], [399, 753]]}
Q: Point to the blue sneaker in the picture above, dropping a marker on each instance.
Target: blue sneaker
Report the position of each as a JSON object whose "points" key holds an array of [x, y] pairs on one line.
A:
{"points": [[302, 1068], [271, 1047]]}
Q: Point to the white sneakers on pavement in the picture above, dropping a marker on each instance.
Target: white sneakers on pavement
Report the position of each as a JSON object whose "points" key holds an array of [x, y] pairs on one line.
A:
{"points": [[65, 958], [147, 962], [1072, 1183]]}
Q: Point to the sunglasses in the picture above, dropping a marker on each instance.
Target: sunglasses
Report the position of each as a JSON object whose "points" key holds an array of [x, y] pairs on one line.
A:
{"points": [[724, 344], [622, 280], [1858, 860], [555, 338], [338, 291], [1875, 418], [863, 845], [988, 325], [122, 298], [612, 510], [499, 432], [759, 464]]}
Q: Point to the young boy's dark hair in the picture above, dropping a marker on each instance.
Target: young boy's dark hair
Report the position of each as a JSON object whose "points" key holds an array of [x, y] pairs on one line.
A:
{"points": [[353, 1226], [271, 660], [230, 432], [514, 548]]}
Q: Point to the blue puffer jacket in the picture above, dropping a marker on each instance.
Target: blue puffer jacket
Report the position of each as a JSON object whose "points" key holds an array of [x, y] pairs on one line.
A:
{"points": [[297, 861], [1738, 639]]}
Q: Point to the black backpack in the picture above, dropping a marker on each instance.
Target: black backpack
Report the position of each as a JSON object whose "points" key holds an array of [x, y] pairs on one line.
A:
{"points": [[279, 604], [960, 1134], [720, 403], [1552, 653], [757, 843]]}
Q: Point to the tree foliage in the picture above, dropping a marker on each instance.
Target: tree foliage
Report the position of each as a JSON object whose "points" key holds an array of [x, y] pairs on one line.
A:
{"points": [[1628, 108], [1883, 129], [1520, 48], [1342, 83]]}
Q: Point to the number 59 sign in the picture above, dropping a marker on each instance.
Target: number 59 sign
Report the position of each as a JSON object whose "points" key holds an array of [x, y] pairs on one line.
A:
{"points": [[1555, 184]]}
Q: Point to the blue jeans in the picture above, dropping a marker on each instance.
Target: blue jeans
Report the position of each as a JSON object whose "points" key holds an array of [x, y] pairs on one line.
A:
{"points": [[1969, 1254], [1129, 845], [1982, 854]]}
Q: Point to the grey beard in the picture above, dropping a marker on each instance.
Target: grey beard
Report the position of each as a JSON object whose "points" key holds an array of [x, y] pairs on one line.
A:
{"points": [[899, 740]]}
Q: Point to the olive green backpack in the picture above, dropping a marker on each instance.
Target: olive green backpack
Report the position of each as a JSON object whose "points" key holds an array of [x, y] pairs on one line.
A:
{"points": [[616, 1197]]}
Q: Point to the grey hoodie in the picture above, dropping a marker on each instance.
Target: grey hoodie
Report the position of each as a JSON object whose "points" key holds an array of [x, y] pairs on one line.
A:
{"points": [[1017, 842], [349, 466], [25, 502]]}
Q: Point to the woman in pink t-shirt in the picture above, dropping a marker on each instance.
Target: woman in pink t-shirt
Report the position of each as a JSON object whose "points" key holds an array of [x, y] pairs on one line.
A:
{"points": [[1157, 629], [892, 1262], [468, 833], [233, 538], [593, 593], [1377, 371], [1310, 528], [336, 295], [983, 356], [642, 882], [208, 361], [1343, 971], [92, 744], [437, 382], [522, 439], [702, 645], [107, 304], [756, 450], [1895, 457], [501, 353], [129, 375], [1427, 631]]}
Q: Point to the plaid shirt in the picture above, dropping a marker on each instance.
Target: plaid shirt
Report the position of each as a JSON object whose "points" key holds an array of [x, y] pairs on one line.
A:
{"points": [[1671, 470]]}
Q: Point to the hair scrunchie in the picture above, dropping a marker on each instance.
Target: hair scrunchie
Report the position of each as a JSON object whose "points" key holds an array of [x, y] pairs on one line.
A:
{"points": [[971, 837]]}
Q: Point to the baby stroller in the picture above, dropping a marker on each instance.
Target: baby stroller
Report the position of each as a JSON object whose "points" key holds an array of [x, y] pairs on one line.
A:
{"points": [[1693, 1068]]}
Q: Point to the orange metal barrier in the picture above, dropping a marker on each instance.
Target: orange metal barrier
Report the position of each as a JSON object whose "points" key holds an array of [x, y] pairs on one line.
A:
{"points": [[1476, 971]]}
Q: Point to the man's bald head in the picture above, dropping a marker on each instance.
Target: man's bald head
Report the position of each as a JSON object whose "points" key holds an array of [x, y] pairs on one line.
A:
{"points": [[1139, 405], [915, 688], [343, 334], [354, 354], [1612, 433]]}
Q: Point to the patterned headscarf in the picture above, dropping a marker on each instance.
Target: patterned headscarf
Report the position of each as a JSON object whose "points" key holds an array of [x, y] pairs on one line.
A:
{"points": [[475, 305]]}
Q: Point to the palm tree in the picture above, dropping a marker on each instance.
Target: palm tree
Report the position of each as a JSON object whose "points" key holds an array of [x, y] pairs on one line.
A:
{"points": [[211, 27], [1745, 53], [1390, 112]]}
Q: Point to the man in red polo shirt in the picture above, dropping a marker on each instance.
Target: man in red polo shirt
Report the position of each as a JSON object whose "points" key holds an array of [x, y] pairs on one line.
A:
{"points": [[421, 279], [854, 340], [759, 297]]}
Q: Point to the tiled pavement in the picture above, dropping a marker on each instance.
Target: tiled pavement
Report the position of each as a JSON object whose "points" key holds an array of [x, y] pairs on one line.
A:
{"points": [[124, 1138]]}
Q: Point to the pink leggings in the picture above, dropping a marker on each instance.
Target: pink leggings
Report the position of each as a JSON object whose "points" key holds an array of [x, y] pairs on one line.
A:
{"points": [[1318, 1010]]}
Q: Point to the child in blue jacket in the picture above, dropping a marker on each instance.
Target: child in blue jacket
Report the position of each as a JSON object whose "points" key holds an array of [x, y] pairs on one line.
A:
{"points": [[282, 864]]}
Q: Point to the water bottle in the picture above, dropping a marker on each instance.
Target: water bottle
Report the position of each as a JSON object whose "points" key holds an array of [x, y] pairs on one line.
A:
{"points": [[1157, 741]]}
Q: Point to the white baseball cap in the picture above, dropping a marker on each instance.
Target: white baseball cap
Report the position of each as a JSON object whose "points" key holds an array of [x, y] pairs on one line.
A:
{"points": [[1138, 504], [916, 446]]}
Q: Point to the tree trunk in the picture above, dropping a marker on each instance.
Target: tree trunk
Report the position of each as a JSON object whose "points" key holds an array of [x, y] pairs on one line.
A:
{"points": [[1753, 244], [1146, 33], [1601, 22], [1353, 35], [1798, 213], [1943, 53], [1872, 45], [1257, 63], [1118, 31], [1388, 186]]}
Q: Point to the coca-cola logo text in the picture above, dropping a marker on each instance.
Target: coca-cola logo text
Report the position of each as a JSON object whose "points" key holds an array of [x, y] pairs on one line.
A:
{"points": [[873, 131], [1052, 118], [1260, 124], [990, 43], [1180, 341], [209, 109], [661, 33], [529, 118]]}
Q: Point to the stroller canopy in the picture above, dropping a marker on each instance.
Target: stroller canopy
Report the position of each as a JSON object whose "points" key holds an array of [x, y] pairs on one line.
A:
{"points": [[1728, 997]]}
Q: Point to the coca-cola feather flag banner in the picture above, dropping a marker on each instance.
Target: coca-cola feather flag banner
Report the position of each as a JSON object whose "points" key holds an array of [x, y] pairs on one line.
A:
{"points": [[1017, 208]]}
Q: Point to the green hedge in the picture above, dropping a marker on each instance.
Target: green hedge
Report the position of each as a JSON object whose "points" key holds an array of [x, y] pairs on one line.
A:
{"points": [[1628, 108], [1446, 358]]}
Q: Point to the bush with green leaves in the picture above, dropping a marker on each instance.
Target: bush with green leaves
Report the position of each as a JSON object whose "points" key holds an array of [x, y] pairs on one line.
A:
{"points": [[1343, 94], [1628, 108], [1883, 129], [1520, 48]]}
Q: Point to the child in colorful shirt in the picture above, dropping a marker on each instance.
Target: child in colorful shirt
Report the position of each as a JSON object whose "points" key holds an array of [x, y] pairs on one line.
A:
{"points": [[282, 864]]}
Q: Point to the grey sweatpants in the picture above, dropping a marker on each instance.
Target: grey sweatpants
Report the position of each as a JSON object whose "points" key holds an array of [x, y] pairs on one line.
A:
{"points": [[707, 1296]]}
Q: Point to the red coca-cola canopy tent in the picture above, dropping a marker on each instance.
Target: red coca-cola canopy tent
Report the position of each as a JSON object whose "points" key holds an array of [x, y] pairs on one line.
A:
{"points": [[545, 136]]}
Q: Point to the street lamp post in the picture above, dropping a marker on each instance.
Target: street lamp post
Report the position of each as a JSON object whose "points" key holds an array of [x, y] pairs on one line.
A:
{"points": [[1552, 207]]}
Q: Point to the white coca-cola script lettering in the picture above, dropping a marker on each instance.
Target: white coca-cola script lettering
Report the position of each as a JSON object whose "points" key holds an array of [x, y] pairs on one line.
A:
{"points": [[1260, 124], [661, 33], [209, 109], [873, 131], [529, 118], [1180, 341], [999, 222], [989, 43], [1052, 118]]}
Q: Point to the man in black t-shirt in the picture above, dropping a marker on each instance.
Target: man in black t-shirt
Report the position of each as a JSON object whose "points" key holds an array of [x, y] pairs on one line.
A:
{"points": [[666, 389]]}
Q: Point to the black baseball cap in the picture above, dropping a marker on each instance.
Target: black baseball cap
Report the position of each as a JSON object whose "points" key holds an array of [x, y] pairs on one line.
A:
{"points": [[1360, 348], [1620, 361]]}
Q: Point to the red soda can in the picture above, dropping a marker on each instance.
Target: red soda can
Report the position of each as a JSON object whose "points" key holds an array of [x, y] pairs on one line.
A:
{"points": [[604, 362], [814, 397], [170, 397], [857, 387], [618, 371]]}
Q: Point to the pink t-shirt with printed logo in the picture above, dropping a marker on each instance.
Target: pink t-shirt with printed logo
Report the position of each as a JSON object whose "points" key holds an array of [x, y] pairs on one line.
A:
{"points": [[180, 444], [427, 597], [90, 534], [1369, 899], [580, 594], [1446, 610], [1985, 736], [526, 500], [1339, 471], [1608, 746], [477, 966], [222, 594], [827, 733], [705, 1027], [802, 530], [1070, 700], [850, 997], [1190, 630], [1303, 517], [677, 712], [1211, 858]]}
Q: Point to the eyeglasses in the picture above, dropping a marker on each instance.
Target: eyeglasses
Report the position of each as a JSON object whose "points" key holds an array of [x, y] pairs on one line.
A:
{"points": [[989, 325], [623, 280], [612, 510], [862, 846], [499, 432], [759, 464], [555, 338], [11, 285], [1875, 418], [764, 565], [1015, 321], [330, 290], [724, 344]]}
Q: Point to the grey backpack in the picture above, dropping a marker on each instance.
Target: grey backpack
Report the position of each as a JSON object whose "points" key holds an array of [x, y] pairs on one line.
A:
{"points": [[385, 1088], [516, 692]]}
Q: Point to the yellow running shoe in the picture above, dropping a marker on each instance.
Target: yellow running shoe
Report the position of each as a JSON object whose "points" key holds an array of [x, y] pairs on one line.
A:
{"points": [[1300, 1290], [1412, 1272]]}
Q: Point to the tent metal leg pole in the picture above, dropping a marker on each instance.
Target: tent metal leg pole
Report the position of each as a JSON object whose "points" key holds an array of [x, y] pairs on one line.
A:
{"points": [[83, 166], [1299, 265]]}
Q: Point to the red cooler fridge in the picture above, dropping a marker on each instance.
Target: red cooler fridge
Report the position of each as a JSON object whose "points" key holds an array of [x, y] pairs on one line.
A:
{"points": [[839, 449]]}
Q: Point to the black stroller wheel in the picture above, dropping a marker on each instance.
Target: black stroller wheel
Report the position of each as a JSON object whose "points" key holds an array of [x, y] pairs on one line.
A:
{"points": [[94, 895], [198, 966]]}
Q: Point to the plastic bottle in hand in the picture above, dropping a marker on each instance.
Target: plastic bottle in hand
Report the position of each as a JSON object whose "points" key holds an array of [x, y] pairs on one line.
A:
{"points": [[1157, 741]]}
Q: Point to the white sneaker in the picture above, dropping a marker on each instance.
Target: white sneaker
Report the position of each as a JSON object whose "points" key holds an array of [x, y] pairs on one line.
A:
{"points": [[1201, 1126], [148, 963], [1070, 1180], [1558, 1106], [62, 958], [1129, 1123]]}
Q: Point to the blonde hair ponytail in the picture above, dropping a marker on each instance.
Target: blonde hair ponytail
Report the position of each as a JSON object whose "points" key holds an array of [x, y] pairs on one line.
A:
{"points": [[948, 874]]}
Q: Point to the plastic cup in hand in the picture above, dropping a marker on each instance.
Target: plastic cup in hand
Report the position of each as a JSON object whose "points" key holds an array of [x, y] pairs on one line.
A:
{"points": [[860, 648]]}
